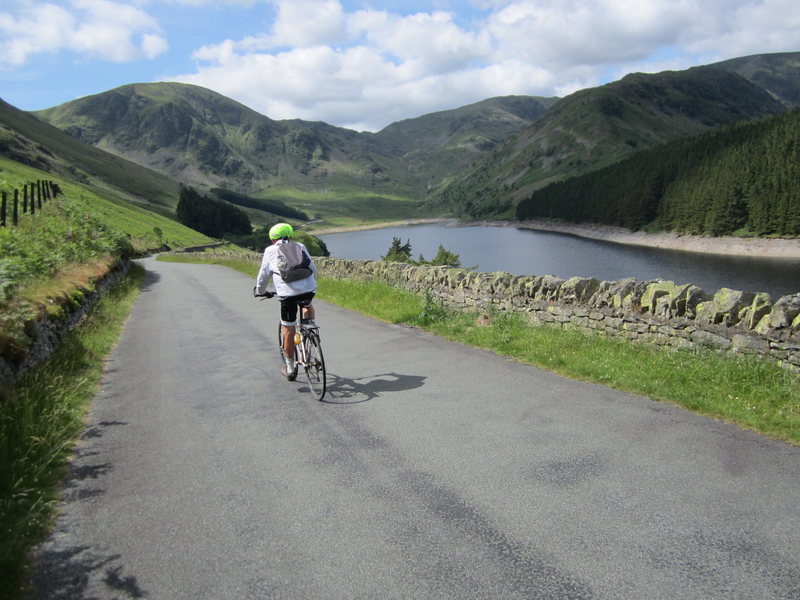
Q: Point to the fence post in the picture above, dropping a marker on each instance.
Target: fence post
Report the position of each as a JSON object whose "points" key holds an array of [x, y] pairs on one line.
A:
{"points": [[25, 199], [15, 217], [3, 210], [39, 191]]}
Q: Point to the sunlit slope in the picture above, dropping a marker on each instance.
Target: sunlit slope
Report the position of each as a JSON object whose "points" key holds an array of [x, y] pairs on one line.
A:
{"points": [[146, 229], [28, 140]]}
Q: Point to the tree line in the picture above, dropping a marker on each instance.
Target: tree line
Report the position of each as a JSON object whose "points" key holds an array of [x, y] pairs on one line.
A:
{"points": [[400, 252], [743, 179], [210, 216], [276, 207]]}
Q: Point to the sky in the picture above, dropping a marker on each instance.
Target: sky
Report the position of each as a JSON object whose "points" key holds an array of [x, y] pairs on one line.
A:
{"points": [[363, 64]]}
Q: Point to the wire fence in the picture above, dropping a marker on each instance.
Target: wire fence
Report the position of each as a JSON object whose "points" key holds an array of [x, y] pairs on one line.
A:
{"points": [[17, 203]]}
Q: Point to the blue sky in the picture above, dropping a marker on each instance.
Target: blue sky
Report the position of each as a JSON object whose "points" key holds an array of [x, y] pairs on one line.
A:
{"points": [[363, 64]]}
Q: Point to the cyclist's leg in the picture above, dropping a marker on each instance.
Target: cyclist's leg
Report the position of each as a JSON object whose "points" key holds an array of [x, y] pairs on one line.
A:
{"points": [[288, 340], [288, 322], [306, 308]]}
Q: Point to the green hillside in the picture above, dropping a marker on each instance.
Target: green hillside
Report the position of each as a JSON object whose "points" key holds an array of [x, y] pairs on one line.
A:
{"points": [[778, 74], [441, 145], [743, 179], [476, 161], [27, 140], [599, 126], [203, 139]]}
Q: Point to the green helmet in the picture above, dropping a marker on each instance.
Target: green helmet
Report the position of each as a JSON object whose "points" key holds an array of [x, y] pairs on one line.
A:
{"points": [[281, 230]]}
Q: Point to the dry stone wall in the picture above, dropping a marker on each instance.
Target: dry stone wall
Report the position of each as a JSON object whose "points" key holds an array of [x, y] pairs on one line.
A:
{"points": [[48, 331], [655, 311]]}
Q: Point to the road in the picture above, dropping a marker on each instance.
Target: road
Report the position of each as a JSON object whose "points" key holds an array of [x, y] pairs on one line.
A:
{"points": [[433, 470]]}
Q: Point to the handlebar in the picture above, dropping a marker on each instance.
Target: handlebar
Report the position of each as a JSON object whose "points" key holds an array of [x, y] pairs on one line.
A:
{"points": [[263, 296]]}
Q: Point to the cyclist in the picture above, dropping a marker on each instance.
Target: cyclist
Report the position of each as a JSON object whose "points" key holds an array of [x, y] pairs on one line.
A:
{"points": [[292, 294]]}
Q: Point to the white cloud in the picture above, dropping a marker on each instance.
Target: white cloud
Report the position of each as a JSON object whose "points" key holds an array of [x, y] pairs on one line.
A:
{"points": [[366, 68], [742, 28], [97, 28], [153, 45], [362, 64], [425, 43], [564, 34], [308, 23]]}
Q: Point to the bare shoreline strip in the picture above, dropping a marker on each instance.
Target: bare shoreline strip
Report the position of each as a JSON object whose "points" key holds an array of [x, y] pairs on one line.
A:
{"points": [[402, 223], [731, 246]]}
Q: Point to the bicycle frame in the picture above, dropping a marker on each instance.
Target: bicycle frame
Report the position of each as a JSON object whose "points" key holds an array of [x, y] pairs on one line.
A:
{"points": [[307, 353]]}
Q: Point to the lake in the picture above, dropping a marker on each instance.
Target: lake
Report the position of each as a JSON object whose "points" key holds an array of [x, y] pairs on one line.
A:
{"points": [[527, 252]]}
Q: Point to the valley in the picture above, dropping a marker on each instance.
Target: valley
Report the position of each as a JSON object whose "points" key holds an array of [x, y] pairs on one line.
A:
{"points": [[126, 157]]}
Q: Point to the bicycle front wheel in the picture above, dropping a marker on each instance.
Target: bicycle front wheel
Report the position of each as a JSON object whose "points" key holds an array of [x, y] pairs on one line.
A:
{"points": [[315, 365]]}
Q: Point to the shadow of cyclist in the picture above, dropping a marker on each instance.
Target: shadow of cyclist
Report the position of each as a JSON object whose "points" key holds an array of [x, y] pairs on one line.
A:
{"points": [[353, 391]]}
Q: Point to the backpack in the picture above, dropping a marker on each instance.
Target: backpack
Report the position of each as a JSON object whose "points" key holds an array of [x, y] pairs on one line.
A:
{"points": [[293, 263]]}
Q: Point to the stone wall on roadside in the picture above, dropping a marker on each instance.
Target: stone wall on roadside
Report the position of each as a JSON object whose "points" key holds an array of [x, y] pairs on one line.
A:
{"points": [[656, 311], [48, 331]]}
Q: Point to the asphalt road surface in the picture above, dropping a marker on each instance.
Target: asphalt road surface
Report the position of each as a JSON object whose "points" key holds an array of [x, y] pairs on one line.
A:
{"points": [[432, 470]]}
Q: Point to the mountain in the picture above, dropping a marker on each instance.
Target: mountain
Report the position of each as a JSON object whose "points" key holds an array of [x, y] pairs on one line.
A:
{"points": [[200, 137], [475, 161], [778, 74], [440, 145], [596, 127], [203, 138], [26, 139]]}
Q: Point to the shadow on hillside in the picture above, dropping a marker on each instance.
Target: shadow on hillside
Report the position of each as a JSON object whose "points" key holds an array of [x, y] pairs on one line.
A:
{"points": [[353, 391]]}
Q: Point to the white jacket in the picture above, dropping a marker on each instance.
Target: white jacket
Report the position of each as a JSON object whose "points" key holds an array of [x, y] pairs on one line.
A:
{"points": [[269, 268]]}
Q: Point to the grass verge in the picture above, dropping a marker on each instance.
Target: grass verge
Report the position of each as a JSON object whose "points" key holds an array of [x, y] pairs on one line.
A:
{"points": [[753, 393], [40, 419]]}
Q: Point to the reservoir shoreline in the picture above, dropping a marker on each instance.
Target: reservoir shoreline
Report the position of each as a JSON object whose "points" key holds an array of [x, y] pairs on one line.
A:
{"points": [[730, 246]]}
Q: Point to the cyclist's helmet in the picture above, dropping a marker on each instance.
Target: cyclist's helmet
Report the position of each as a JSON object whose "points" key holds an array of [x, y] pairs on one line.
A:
{"points": [[280, 231]]}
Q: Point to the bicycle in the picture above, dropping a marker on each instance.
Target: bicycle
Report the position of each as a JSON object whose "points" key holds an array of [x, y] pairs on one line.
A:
{"points": [[307, 353]]}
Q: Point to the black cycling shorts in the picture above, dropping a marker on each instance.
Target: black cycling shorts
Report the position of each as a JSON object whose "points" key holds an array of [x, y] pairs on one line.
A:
{"points": [[289, 306]]}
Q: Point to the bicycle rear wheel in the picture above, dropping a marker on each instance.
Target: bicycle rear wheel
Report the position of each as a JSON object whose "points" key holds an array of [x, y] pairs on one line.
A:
{"points": [[315, 365]]}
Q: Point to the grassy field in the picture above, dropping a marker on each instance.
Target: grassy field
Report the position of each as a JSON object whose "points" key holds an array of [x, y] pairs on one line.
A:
{"points": [[145, 228], [753, 393], [346, 208]]}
